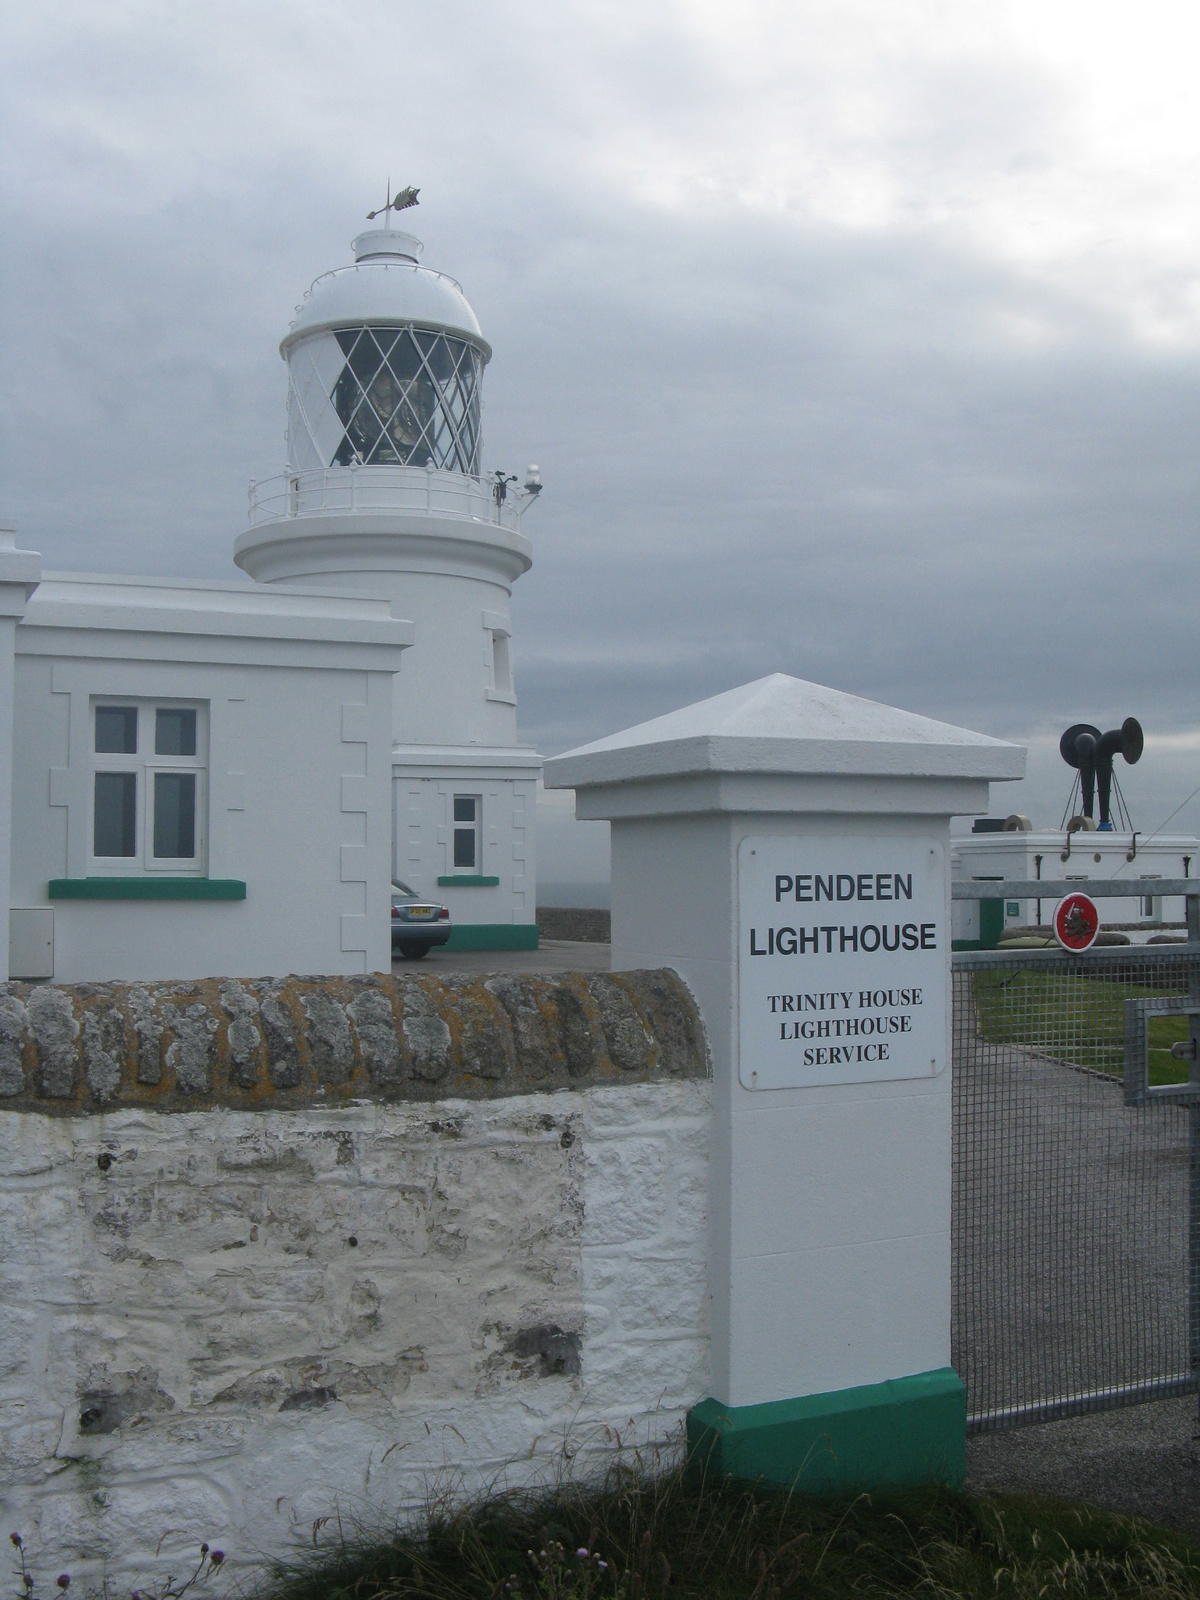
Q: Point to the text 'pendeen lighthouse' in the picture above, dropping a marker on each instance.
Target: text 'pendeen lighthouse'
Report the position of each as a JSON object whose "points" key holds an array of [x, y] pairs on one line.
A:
{"points": [[383, 495]]}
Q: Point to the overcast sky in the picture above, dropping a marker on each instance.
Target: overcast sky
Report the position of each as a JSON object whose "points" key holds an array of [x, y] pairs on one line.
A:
{"points": [[854, 340]]}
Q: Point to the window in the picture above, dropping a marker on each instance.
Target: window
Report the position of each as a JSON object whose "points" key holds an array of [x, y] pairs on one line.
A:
{"points": [[1152, 903], [497, 629], [502, 681], [467, 817], [148, 787], [409, 398]]}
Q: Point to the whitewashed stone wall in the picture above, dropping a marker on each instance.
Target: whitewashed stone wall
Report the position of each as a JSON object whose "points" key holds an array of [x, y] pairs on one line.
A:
{"points": [[227, 1324]]}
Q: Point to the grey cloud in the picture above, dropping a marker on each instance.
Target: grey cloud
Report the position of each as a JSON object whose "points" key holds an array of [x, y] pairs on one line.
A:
{"points": [[875, 457]]}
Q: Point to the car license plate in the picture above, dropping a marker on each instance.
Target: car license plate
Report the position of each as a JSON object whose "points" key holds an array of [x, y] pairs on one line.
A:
{"points": [[421, 911]]}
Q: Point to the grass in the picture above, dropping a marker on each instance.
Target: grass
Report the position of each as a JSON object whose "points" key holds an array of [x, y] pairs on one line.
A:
{"points": [[1074, 1019], [677, 1537]]}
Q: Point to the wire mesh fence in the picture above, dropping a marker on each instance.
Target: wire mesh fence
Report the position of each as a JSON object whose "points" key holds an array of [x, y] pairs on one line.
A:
{"points": [[1071, 1211]]}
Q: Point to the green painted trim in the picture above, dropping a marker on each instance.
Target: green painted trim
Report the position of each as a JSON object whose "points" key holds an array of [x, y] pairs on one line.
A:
{"points": [[991, 923], [468, 880], [493, 936], [991, 926], [906, 1431], [146, 889]]}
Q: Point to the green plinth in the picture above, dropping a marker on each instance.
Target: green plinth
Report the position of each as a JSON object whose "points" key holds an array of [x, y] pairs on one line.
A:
{"points": [[493, 936], [883, 1435]]}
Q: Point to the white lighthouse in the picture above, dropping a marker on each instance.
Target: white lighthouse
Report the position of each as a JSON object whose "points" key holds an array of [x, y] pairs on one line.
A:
{"points": [[383, 494]]}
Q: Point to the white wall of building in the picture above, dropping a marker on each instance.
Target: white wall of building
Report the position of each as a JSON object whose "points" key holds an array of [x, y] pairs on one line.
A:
{"points": [[423, 830], [1088, 856], [20, 573], [452, 576], [295, 694]]}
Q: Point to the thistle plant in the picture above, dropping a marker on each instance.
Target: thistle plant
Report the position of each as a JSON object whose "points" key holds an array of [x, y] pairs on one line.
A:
{"points": [[25, 1578], [210, 1561]]}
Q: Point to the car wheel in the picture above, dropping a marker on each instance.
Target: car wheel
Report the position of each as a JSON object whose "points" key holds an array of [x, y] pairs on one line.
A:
{"points": [[411, 950]]}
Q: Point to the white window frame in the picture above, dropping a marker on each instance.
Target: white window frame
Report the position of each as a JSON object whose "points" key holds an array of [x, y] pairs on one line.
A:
{"points": [[1151, 907], [455, 826], [145, 764]]}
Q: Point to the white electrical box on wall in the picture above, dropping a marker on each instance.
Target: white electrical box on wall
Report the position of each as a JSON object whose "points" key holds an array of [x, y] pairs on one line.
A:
{"points": [[31, 942]]}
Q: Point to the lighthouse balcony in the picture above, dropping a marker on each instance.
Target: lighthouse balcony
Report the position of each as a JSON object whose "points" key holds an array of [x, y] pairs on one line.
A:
{"points": [[386, 490]]}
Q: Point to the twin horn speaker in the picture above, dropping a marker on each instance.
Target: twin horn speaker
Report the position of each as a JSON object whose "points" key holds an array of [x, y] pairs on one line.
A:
{"points": [[1092, 752]]}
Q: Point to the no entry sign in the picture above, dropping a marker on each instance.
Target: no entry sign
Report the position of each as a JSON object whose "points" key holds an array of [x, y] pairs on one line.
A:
{"points": [[1076, 922]]}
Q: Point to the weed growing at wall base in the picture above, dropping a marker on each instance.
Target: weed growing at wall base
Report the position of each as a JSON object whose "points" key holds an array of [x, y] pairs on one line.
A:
{"points": [[171, 1588], [679, 1538]]}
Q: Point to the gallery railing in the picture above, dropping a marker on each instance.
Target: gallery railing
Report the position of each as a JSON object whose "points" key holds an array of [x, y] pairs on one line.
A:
{"points": [[426, 491]]}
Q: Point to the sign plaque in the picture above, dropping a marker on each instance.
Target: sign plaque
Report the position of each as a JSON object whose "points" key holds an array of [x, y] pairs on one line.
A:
{"points": [[1076, 922], [842, 959]]}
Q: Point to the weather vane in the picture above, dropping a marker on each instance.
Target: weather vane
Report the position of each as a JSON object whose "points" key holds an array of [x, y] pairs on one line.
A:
{"points": [[406, 197]]}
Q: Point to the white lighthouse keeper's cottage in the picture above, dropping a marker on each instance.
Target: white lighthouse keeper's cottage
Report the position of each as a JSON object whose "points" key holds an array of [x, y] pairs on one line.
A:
{"points": [[200, 780], [383, 496]]}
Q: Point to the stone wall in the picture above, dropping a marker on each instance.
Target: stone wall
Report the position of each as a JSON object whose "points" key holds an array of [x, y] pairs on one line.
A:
{"points": [[342, 1292]]}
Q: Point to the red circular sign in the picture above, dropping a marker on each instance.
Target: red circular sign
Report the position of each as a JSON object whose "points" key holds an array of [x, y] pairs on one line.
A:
{"points": [[1076, 922]]}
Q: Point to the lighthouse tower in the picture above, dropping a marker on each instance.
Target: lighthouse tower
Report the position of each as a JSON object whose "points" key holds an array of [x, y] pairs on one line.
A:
{"points": [[384, 495]]}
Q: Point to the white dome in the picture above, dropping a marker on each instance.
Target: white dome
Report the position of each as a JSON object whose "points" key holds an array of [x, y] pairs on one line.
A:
{"points": [[386, 286]]}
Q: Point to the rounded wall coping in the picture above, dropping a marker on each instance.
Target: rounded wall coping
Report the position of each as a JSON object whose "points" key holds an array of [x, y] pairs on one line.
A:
{"points": [[269, 1044]]}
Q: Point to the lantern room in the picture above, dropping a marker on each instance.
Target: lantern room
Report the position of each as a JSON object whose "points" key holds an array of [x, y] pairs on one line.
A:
{"points": [[385, 364]]}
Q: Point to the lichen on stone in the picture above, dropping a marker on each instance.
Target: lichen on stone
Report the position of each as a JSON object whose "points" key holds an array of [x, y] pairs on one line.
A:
{"points": [[328, 1035], [263, 1042], [52, 1017], [14, 1027]]}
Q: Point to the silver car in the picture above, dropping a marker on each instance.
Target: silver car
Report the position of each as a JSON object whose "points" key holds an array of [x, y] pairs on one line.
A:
{"points": [[417, 924]]}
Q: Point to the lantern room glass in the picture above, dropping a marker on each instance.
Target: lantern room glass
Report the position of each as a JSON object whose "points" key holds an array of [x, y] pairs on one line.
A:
{"points": [[408, 397]]}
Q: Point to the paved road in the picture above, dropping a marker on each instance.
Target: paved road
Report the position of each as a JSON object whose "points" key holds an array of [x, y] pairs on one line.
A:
{"points": [[1143, 1461], [555, 955]]}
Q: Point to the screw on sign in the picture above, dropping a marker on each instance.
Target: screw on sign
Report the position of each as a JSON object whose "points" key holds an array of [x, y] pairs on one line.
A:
{"points": [[1076, 922]]}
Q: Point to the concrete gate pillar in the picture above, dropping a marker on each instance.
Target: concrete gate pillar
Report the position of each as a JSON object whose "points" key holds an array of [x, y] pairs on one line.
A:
{"points": [[785, 848], [20, 574]]}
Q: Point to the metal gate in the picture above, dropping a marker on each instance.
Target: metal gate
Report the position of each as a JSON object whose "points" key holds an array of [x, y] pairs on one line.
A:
{"points": [[1076, 1215]]}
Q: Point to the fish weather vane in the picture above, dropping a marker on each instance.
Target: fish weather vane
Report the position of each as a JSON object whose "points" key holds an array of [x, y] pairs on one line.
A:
{"points": [[405, 198]]}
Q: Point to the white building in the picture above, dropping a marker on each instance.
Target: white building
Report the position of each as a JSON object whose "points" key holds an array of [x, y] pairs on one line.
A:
{"points": [[1016, 852], [213, 779], [383, 495]]}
